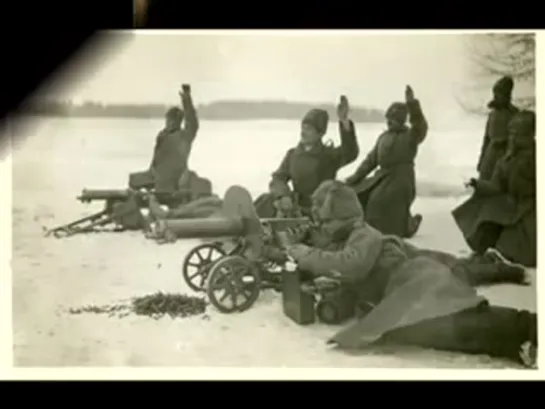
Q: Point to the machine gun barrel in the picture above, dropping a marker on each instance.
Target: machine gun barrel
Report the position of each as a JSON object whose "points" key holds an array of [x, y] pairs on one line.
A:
{"points": [[88, 195], [223, 226], [204, 228], [115, 195]]}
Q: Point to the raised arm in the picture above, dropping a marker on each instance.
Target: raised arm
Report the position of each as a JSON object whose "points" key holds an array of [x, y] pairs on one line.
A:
{"points": [[417, 120], [191, 122], [278, 185], [349, 150], [353, 263]]}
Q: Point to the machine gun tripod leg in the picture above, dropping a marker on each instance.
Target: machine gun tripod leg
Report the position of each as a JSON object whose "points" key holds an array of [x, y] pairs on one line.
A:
{"points": [[83, 225]]}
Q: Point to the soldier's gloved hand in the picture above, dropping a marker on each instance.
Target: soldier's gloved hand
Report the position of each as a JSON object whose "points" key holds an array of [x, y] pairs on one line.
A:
{"points": [[275, 255], [409, 94], [343, 110], [298, 251], [296, 235], [471, 183], [186, 89]]}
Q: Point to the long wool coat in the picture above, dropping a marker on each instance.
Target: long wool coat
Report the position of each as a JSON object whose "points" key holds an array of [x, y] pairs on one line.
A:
{"points": [[306, 170], [507, 203], [172, 150], [388, 194], [404, 289], [495, 140]]}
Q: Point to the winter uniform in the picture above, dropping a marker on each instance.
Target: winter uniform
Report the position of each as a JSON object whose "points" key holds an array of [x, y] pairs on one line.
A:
{"points": [[415, 299]]}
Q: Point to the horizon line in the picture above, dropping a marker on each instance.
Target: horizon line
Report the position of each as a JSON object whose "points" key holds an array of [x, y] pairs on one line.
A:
{"points": [[235, 100]]}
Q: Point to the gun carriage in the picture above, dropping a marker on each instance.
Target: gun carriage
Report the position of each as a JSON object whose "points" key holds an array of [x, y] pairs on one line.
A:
{"points": [[233, 272]]}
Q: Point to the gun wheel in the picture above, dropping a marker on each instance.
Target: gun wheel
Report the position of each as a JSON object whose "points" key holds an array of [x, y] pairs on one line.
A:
{"points": [[197, 263], [327, 313], [233, 284]]}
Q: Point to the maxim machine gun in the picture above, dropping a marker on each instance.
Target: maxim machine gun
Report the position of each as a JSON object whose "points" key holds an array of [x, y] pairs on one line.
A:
{"points": [[252, 258], [121, 209]]}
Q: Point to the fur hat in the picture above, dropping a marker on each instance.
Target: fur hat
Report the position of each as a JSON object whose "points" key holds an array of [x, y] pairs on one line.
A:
{"points": [[336, 201], [318, 119], [504, 85], [397, 112], [175, 113]]}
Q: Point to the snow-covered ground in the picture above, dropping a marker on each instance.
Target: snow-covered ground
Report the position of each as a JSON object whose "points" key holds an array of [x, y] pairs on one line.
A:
{"points": [[51, 275], [62, 156]]}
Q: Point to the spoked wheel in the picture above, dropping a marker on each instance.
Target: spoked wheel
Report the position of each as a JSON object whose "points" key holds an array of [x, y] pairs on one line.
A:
{"points": [[233, 284], [327, 312], [197, 263]]}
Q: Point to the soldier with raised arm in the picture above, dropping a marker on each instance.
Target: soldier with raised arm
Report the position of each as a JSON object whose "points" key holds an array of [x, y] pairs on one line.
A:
{"points": [[172, 147], [309, 163], [387, 196]]}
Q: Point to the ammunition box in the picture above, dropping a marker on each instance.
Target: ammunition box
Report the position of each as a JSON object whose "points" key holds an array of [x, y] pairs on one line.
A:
{"points": [[297, 304]]}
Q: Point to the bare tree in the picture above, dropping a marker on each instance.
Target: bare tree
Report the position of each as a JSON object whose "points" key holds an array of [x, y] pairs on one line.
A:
{"points": [[495, 55]]}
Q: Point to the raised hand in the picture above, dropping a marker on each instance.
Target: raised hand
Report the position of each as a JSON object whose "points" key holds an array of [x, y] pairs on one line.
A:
{"points": [[409, 94], [343, 109], [185, 90]]}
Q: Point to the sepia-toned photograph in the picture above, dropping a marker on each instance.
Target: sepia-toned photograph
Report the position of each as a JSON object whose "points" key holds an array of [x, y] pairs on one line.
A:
{"points": [[282, 199]]}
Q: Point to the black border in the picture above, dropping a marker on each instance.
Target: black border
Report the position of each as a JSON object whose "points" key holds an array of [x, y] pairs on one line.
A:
{"points": [[339, 393], [38, 37]]}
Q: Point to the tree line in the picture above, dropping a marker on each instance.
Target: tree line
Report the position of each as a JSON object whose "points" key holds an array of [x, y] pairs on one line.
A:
{"points": [[219, 110]]}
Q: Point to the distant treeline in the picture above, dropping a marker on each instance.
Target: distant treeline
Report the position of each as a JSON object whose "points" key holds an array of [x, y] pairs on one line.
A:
{"points": [[220, 110]]}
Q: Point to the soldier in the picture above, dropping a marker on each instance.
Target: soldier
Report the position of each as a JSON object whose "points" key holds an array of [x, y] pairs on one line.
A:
{"points": [[172, 147], [496, 132], [501, 214], [409, 299], [310, 162], [387, 196]]}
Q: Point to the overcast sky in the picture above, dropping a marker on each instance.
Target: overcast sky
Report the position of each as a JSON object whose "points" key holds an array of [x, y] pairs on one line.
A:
{"points": [[371, 69]]}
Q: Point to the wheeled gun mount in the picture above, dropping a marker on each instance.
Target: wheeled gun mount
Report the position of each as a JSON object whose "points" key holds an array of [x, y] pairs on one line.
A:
{"points": [[233, 278]]}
